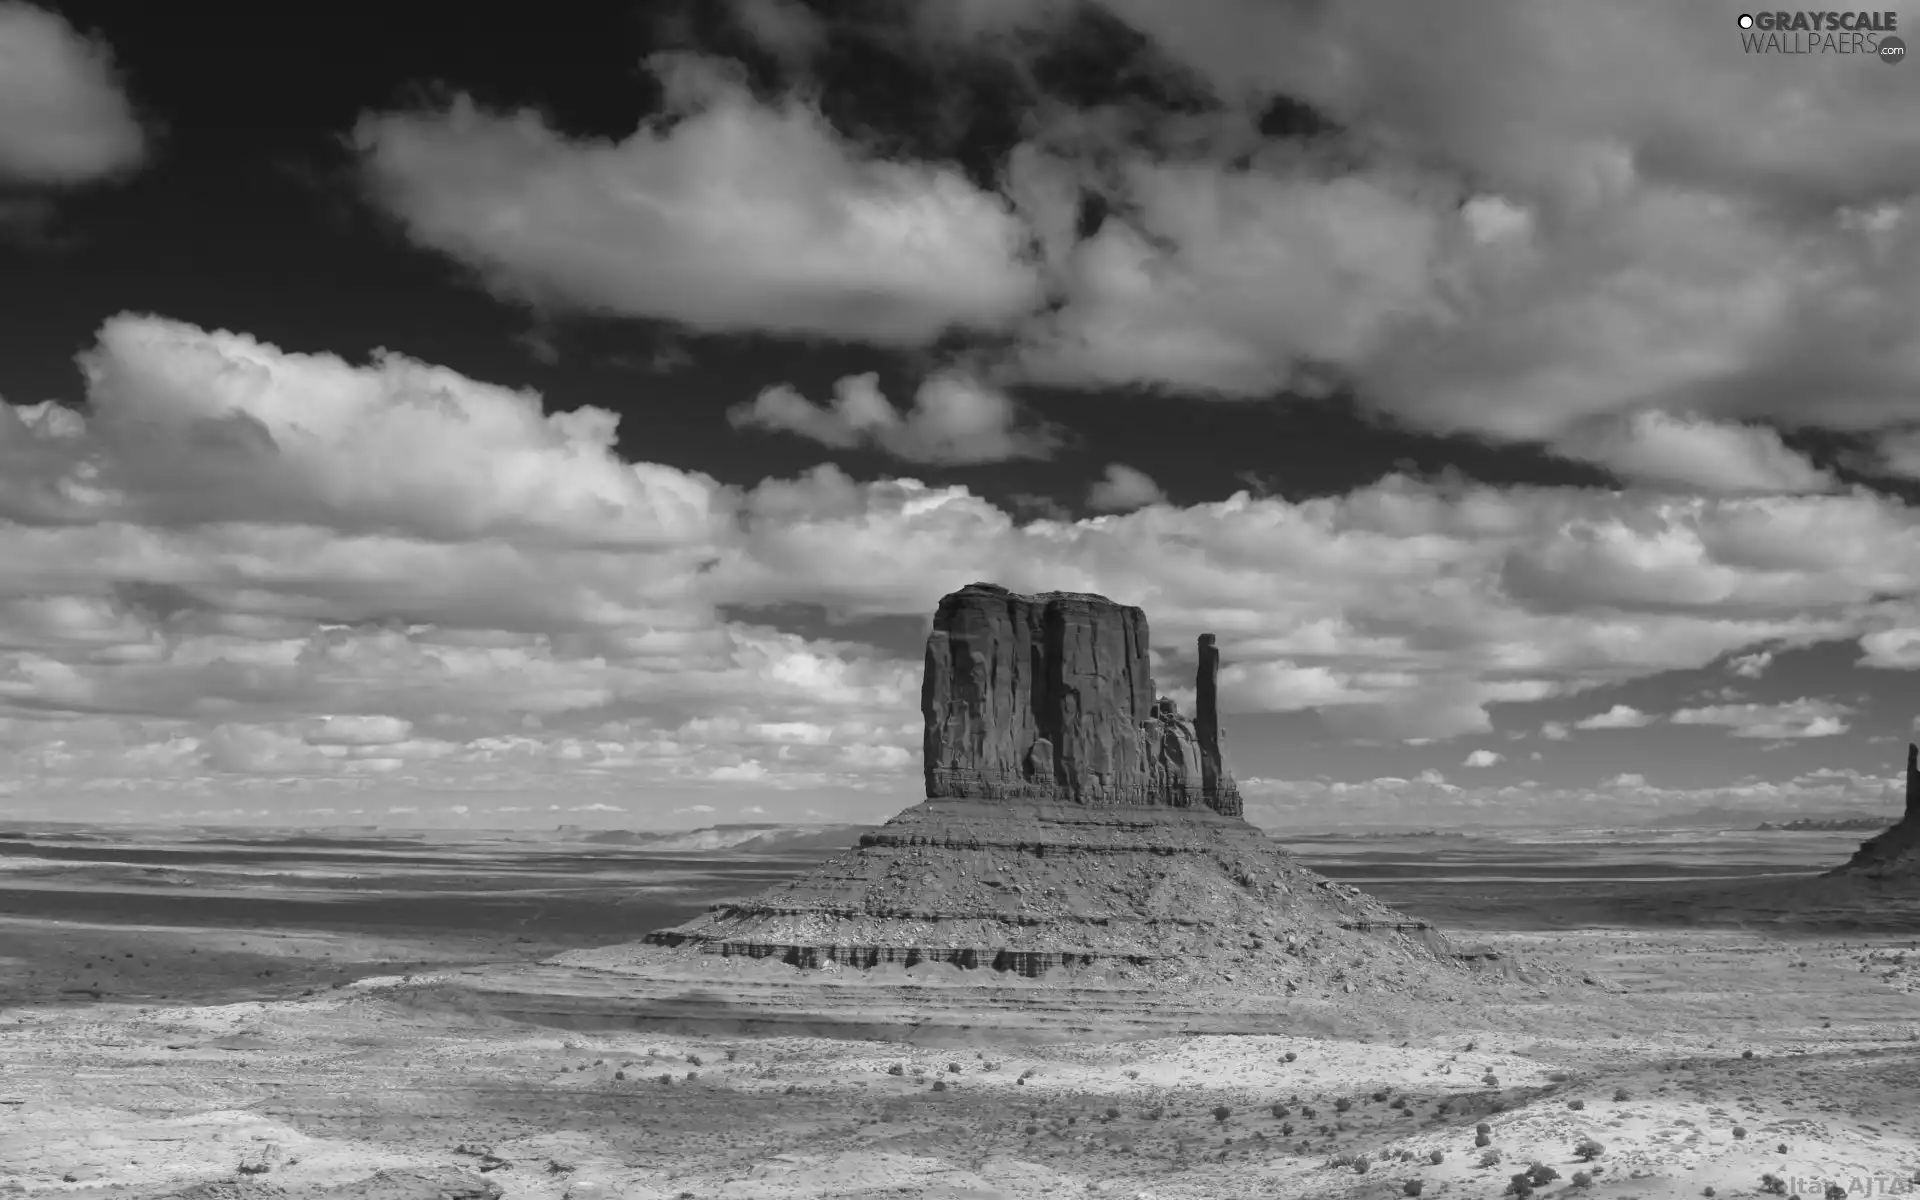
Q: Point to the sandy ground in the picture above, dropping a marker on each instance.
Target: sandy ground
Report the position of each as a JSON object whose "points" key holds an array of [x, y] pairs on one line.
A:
{"points": [[1707, 1060]]}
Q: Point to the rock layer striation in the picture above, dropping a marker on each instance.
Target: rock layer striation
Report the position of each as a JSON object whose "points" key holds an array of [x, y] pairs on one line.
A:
{"points": [[1073, 820], [1051, 698]]}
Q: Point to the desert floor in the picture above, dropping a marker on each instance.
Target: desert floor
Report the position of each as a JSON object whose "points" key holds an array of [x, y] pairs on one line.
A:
{"points": [[1705, 1059]]}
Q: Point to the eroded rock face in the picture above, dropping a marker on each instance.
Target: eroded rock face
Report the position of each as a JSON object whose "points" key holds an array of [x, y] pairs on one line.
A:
{"points": [[1051, 698]]}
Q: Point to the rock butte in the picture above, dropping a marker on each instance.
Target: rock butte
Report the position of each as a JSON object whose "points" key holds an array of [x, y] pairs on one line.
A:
{"points": [[1074, 821], [1894, 854]]}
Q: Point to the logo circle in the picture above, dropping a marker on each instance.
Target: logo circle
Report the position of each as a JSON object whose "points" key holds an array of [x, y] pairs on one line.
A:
{"points": [[1746, 20], [1892, 49]]}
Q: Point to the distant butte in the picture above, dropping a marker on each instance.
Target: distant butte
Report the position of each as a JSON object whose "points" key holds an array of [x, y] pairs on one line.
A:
{"points": [[1075, 821], [1894, 854]]}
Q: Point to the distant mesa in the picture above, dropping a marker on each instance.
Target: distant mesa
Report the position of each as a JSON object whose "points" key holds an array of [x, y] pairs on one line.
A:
{"points": [[1075, 820], [1895, 853]]}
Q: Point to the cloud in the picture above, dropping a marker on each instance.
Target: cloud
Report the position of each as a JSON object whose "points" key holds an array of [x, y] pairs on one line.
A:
{"points": [[188, 426], [954, 419], [63, 116], [1483, 758], [785, 27], [1554, 731], [1123, 488], [1751, 666], [1686, 452], [1803, 718], [238, 565], [727, 215], [1620, 716]]}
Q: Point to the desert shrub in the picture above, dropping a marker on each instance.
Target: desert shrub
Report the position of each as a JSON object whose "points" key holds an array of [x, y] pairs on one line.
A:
{"points": [[1707, 1191], [953, 1068], [1746, 1054], [1519, 1185], [1113, 1114], [1581, 1180], [1306, 1110], [1289, 1056], [253, 1168], [1342, 1104], [1622, 1095], [1411, 1187], [1279, 1110], [1490, 1159], [1588, 1150], [1029, 1073], [1340, 1160], [1739, 1132], [1152, 1114], [1470, 1047], [919, 1072], [1483, 1139], [1782, 1147], [1398, 1102], [1576, 1105], [939, 1085], [1031, 1129], [1133, 1074], [619, 1074], [1362, 1164], [1773, 1185], [1286, 1130], [1558, 1076], [733, 1055], [1221, 1112], [1490, 1079], [1483, 1127], [1436, 1157], [897, 1069], [1836, 1192], [1379, 1096], [1541, 1174], [694, 1060], [665, 1078]]}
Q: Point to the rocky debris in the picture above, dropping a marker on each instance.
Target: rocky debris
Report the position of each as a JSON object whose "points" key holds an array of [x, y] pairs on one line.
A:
{"points": [[1072, 822], [1895, 853], [1051, 698]]}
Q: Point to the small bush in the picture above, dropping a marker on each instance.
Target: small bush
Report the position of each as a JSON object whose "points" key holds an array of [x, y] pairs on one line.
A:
{"points": [[1541, 1174], [1482, 1139], [1221, 1112], [1279, 1110], [1558, 1076], [1581, 1180], [1436, 1157], [1411, 1187], [1707, 1191], [1576, 1105], [694, 1060], [1739, 1132], [1113, 1114], [1362, 1164], [1286, 1129], [1621, 1095], [1483, 1127], [1379, 1096], [665, 1078], [1032, 1129], [1289, 1056], [953, 1068], [1746, 1054], [1773, 1185], [1306, 1110], [619, 1074], [1589, 1150], [1519, 1185], [1342, 1104], [897, 1069], [1133, 1074], [1490, 1159], [1490, 1079], [1836, 1192], [1782, 1148], [939, 1085]]}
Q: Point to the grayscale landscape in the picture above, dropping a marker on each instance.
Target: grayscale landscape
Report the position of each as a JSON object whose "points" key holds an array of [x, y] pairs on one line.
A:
{"points": [[959, 599]]}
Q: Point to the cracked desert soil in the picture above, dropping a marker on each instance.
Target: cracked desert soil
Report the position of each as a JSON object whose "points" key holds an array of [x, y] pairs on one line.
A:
{"points": [[1707, 1059]]}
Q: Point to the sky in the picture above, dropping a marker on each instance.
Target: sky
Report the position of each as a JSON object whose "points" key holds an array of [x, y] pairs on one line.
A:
{"points": [[441, 422]]}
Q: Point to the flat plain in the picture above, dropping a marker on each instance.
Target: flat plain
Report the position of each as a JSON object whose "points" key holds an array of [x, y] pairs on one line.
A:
{"points": [[383, 1014]]}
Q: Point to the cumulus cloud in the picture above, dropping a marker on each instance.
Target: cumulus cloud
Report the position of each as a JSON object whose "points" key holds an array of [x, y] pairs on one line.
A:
{"points": [[954, 419], [1620, 716], [1751, 666], [1803, 718], [225, 572], [1656, 448], [1123, 488], [1483, 758], [63, 116], [725, 215], [1555, 731]]}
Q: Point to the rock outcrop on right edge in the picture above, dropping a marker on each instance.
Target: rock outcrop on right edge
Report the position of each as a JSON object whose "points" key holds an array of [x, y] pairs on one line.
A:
{"points": [[1895, 853]]}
